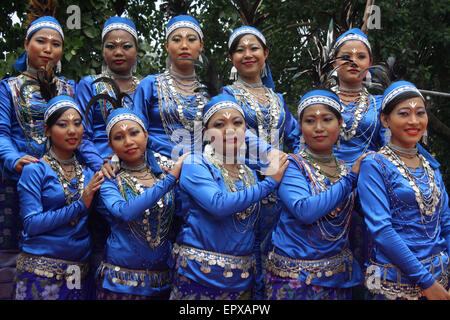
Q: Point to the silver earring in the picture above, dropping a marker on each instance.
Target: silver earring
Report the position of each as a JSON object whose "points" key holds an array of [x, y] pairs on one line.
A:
{"points": [[58, 67], [104, 67], [264, 71], [115, 161], [302, 143], [425, 137], [388, 134], [338, 142], [233, 74]]}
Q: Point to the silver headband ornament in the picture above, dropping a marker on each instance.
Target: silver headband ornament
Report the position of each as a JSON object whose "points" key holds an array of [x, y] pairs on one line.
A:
{"points": [[218, 106], [398, 91], [244, 30], [119, 26], [352, 36], [183, 24], [120, 117], [45, 24], [58, 105], [318, 100]]}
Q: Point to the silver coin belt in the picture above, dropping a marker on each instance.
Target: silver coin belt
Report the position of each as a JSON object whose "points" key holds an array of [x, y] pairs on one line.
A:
{"points": [[208, 259], [50, 268], [132, 277], [291, 268]]}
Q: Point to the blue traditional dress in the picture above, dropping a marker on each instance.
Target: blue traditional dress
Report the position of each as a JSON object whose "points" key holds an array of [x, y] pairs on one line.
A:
{"points": [[311, 258], [408, 217], [135, 265], [215, 251], [53, 262], [361, 132], [21, 133], [273, 123]]}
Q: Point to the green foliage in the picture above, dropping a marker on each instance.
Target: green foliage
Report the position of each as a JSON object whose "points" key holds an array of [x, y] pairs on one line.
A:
{"points": [[416, 32]]}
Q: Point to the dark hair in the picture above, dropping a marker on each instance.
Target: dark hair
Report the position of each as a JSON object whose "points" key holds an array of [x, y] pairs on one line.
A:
{"points": [[235, 43], [400, 98]]}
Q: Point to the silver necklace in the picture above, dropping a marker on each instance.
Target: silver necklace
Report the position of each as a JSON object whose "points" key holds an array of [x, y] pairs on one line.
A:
{"points": [[180, 76], [407, 151], [250, 85], [133, 169], [70, 161]]}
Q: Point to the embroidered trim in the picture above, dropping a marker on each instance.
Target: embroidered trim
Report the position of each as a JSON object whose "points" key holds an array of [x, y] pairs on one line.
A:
{"points": [[45, 24], [184, 24], [398, 91], [246, 31]]}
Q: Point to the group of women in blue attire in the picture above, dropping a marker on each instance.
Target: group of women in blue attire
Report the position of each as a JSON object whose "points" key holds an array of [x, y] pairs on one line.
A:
{"points": [[135, 189]]}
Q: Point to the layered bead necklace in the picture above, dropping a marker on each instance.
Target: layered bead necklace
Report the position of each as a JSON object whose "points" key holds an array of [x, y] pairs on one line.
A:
{"points": [[141, 228], [175, 108], [266, 122], [55, 163], [428, 199], [244, 174], [358, 114], [317, 178]]}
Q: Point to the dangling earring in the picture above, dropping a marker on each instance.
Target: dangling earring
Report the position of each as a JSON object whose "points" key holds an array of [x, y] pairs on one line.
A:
{"points": [[425, 137], [200, 58], [168, 62], [233, 74], [338, 142], [134, 67], [388, 134], [302, 143], [264, 71], [368, 79], [115, 161], [48, 144], [104, 67], [58, 67]]}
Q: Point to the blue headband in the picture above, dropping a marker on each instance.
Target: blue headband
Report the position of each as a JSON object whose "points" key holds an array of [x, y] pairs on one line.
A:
{"points": [[183, 21], [245, 30], [120, 114], [119, 23], [396, 89], [59, 102], [43, 22], [352, 34], [221, 101], [324, 97]]}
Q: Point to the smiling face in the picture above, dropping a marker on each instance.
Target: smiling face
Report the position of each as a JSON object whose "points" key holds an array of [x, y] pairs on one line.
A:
{"points": [[66, 133], [226, 131], [129, 141], [183, 43], [249, 57], [119, 51], [45, 46], [359, 53], [320, 129], [407, 122]]}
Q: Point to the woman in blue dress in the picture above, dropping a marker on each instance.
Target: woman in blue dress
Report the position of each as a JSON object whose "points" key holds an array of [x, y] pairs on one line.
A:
{"points": [[405, 206], [266, 113], [119, 50], [311, 258], [139, 205], [361, 130], [22, 137], [215, 252], [55, 194]]}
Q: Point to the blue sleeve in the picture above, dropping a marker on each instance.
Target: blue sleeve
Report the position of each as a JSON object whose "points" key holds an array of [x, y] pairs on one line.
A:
{"points": [[120, 208], [87, 148], [291, 129], [8, 152], [142, 99], [294, 192], [375, 205], [379, 139], [35, 219], [197, 180], [445, 211]]}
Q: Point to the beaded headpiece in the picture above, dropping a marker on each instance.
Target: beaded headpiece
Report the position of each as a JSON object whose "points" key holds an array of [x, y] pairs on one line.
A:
{"points": [[119, 23], [319, 97], [120, 114], [245, 30], [219, 102], [398, 88], [352, 34], [183, 21], [59, 102]]}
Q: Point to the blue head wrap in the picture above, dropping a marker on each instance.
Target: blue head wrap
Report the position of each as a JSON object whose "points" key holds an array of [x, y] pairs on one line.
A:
{"points": [[43, 22], [325, 97], [266, 76], [396, 89], [219, 102], [183, 21], [120, 114], [119, 23], [352, 34], [59, 102]]}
